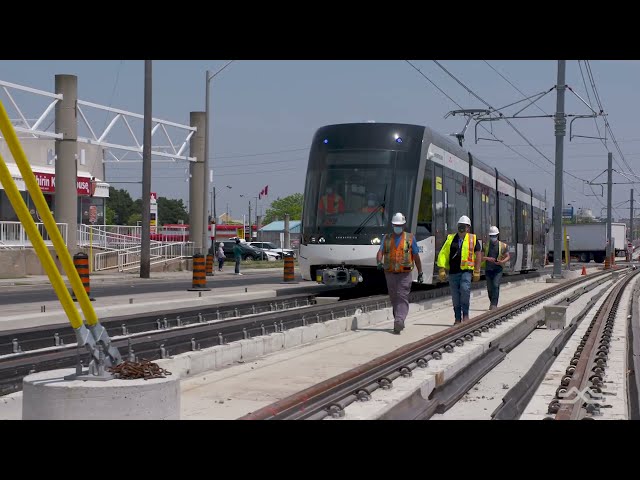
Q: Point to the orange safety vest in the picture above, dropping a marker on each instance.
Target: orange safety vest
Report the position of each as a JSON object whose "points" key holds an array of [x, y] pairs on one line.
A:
{"points": [[330, 203], [398, 259]]}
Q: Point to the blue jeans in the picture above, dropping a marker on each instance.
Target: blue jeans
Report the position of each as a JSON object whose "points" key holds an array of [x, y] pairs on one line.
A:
{"points": [[237, 265], [460, 284], [493, 285]]}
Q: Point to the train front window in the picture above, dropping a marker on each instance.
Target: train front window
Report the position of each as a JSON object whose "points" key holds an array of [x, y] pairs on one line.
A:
{"points": [[355, 191], [354, 188]]}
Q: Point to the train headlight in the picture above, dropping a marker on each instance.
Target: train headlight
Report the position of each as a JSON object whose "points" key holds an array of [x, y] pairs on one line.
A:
{"points": [[321, 240], [375, 241], [313, 239]]}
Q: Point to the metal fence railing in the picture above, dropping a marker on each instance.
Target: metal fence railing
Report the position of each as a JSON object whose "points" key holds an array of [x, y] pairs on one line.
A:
{"points": [[13, 234]]}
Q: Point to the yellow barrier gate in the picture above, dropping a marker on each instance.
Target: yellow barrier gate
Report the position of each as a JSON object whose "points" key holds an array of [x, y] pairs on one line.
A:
{"points": [[95, 338]]}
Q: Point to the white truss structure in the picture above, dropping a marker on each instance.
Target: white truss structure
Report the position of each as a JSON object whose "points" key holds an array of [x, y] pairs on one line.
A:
{"points": [[176, 150], [34, 129]]}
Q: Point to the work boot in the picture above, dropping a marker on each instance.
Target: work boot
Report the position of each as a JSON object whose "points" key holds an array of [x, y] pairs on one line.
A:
{"points": [[465, 318], [493, 307], [457, 322], [397, 328]]}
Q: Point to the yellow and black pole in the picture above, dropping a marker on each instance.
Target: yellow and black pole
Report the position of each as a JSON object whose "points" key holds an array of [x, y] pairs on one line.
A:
{"points": [[97, 331]]}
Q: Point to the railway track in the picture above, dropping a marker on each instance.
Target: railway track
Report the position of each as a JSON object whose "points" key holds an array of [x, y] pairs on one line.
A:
{"points": [[586, 370], [153, 337], [330, 398]]}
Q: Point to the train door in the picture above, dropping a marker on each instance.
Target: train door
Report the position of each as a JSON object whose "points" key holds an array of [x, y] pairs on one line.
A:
{"points": [[440, 223]]}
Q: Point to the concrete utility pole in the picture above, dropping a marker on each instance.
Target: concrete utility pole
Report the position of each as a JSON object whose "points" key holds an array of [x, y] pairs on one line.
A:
{"points": [[145, 251], [631, 220], [560, 131], [196, 169], [66, 148], [287, 234], [611, 247]]}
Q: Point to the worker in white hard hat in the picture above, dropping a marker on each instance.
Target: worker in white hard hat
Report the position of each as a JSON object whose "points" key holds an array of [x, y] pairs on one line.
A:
{"points": [[397, 255], [461, 255], [496, 255]]}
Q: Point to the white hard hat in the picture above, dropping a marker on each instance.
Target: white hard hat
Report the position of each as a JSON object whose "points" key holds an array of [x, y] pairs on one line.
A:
{"points": [[221, 244], [398, 219], [464, 219], [494, 230]]}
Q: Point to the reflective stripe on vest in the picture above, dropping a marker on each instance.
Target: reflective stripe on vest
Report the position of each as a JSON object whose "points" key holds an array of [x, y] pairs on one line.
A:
{"points": [[398, 259], [467, 252]]}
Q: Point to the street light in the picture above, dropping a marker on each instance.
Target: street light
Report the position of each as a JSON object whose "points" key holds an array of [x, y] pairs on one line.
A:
{"points": [[208, 78]]}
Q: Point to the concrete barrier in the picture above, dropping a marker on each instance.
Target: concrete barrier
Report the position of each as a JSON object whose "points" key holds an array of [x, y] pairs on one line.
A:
{"points": [[48, 396]]}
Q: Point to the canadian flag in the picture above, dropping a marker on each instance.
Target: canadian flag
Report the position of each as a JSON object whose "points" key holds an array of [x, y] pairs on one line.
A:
{"points": [[264, 192]]}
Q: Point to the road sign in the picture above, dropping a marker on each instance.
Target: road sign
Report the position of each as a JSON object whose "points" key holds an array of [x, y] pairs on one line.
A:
{"points": [[567, 212], [93, 214], [153, 207]]}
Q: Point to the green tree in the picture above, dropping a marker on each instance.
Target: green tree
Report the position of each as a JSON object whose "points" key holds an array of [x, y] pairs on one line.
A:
{"points": [[281, 206], [110, 216], [121, 203], [171, 211], [134, 218]]}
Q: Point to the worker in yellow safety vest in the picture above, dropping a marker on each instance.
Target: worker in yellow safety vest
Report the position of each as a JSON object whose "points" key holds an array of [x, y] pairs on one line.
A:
{"points": [[461, 255], [496, 254], [397, 254]]}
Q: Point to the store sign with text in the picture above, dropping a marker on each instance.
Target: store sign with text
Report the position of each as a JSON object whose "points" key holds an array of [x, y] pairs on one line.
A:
{"points": [[47, 183]]}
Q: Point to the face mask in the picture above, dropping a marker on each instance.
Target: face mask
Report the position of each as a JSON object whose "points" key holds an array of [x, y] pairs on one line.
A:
{"points": [[397, 230], [493, 239], [462, 229]]}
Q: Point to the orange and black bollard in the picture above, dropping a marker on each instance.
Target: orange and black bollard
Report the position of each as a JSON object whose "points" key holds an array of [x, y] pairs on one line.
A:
{"points": [[199, 282], [81, 262], [209, 265], [288, 270]]}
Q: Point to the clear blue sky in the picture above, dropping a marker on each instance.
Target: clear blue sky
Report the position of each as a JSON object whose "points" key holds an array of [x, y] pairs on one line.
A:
{"points": [[271, 106]]}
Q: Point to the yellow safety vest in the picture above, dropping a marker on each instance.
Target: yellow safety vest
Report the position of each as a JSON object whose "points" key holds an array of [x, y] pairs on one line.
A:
{"points": [[467, 255], [501, 248], [398, 259]]}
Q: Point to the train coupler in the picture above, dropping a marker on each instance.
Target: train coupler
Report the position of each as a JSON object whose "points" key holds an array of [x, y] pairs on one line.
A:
{"points": [[338, 276]]}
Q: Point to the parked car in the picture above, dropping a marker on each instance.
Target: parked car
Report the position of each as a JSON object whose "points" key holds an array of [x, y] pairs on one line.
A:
{"points": [[248, 252], [270, 247]]}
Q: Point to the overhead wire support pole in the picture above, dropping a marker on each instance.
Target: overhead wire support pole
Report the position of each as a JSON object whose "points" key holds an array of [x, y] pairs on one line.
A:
{"points": [[560, 131], [610, 246]]}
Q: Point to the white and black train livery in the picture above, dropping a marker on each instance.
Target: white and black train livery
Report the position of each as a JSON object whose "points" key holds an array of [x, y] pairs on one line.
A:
{"points": [[360, 174]]}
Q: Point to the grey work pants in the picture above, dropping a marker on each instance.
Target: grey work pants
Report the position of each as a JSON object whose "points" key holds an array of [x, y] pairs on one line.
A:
{"points": [[399, 286]]}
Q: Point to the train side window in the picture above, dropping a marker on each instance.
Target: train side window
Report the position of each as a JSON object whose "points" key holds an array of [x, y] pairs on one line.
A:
{"points": [[425, 211], [492, 207], [450, 200], [507, 218]]}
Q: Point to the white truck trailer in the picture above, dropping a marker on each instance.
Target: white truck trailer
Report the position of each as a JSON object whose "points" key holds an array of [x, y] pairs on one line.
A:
{"points": [[588, 241]]}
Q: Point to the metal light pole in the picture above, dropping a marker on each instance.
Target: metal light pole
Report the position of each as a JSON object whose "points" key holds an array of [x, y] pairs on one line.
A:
{"points": [[145, 250], [208, 78]]}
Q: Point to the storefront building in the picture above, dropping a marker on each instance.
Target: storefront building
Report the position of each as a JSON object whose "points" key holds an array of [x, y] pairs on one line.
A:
{"points": [[92, 190]]}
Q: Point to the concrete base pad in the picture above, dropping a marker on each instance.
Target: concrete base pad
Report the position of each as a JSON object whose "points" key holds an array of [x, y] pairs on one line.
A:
{"points": [[48, 396]]}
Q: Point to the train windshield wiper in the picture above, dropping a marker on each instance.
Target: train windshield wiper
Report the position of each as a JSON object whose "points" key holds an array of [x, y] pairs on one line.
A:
{"points": [[369, 217]]}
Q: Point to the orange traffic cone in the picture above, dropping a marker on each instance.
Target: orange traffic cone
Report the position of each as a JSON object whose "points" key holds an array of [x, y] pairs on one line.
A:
{"points": [[584, 270]]}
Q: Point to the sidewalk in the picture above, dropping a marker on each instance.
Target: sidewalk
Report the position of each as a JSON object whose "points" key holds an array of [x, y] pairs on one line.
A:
{"points": [[115, 277], [29, 315]]}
